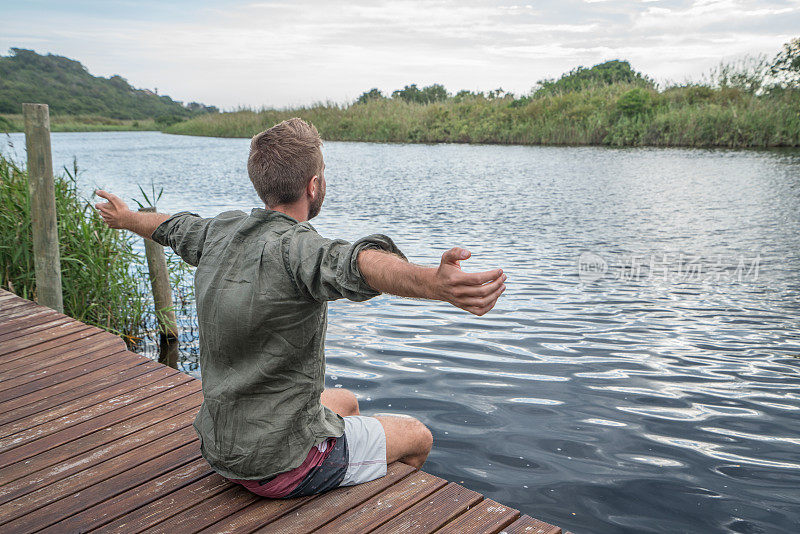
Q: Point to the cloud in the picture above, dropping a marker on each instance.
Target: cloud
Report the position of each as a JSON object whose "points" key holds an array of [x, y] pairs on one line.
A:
{"points": [[286, 53]]}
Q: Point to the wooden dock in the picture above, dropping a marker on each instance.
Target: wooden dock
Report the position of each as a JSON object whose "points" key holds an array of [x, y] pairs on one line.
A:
{"points": [[96, 438]]}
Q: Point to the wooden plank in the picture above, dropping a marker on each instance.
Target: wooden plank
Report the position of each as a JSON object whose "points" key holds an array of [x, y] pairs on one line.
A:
{"points": [[260, 512], [386, 504], [69, 466], [16, 377], [433, 511], [44, 336], [330, 505], [21, 385], [15, 367], [35, 316], [30, 325], [486, 517], [74, 494], [18, 357], [65, 386], [35, 469], [16, 439], [99, 416], [128, 501], [8, 295], [209, 511], [12, 306], [23, 315], [81, 403], [528, 525], [97, 471], [9, 303], [49, 345], [92, 382], [167, 506], [69, 344]]}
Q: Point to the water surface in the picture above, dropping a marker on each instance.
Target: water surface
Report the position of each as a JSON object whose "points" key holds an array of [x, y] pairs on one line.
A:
{"points": [[640, 373]]}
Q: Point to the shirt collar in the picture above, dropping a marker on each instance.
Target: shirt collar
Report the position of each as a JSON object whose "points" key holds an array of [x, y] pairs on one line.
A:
{"points": [[262, 213]]}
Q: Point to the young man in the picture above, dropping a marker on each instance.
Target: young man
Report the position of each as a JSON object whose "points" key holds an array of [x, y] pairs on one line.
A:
{"points": [[262, 284]]}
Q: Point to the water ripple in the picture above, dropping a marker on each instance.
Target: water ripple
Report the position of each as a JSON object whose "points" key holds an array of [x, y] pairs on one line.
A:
{"points": [[625, 404]]}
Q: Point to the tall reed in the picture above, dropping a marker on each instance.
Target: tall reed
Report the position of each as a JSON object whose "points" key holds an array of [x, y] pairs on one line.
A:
{"points": [[101, 273], [619, 114]]}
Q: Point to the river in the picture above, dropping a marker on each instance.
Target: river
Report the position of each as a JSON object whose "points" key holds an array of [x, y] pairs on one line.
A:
{"points": [[641, 371]]}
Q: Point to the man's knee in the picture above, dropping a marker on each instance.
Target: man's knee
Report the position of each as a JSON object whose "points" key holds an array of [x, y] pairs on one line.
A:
{"points": [[341, 401], [406, 436], [424, 437], [419, 445]]}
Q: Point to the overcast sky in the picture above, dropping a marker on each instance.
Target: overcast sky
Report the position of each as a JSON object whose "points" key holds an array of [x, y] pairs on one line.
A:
{"points": [[262, 53]]}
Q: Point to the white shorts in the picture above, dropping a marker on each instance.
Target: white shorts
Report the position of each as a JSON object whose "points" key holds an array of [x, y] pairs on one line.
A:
{"points": [[366, 445]]}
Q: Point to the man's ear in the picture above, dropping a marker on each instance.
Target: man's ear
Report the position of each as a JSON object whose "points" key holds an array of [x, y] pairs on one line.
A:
{"points": [[313, 186]]}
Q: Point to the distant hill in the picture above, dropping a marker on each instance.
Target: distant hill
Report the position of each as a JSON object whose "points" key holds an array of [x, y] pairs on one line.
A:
{"points": [[68, 88]]}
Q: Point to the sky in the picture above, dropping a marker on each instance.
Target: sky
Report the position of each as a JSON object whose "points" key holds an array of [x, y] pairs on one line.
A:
{"points": [[289, 53]]}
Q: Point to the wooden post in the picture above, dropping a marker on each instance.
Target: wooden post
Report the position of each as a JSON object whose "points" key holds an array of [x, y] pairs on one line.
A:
{"points": [[46, 257], [162, 297]]}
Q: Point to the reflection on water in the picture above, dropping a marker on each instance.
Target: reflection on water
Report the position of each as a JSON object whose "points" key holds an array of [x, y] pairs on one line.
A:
{"points": [[658, 394]]}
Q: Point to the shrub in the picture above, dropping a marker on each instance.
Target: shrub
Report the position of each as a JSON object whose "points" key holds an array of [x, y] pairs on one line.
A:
{"points": [[100, 272], [634, 102]]}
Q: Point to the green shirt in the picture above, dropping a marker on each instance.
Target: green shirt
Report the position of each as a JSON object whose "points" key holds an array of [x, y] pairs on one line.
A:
{"points": [[262, 284]]}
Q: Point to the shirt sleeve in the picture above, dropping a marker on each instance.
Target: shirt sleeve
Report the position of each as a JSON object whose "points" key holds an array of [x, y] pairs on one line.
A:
{"points": [[327, 269], [185, 233]]}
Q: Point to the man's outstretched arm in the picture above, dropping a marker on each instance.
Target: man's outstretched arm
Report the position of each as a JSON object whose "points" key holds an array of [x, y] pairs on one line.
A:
{"points": [[476, 293], [116, 214]]}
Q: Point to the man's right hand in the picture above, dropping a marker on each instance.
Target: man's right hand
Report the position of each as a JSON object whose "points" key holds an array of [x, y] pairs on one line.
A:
{"points": [[476, 293], [115, 212]]}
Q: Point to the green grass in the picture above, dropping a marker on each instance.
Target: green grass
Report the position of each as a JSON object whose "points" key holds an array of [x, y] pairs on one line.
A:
{"points": [[103, 279], [80, 123], [619, 114]]}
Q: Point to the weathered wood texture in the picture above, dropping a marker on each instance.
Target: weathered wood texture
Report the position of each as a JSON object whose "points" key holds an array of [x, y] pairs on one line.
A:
{"points": [[97, 439], [46, 256], [162, 299]]}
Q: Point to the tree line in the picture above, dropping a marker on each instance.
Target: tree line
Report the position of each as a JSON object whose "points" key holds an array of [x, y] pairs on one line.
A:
{"points": [[754, 74]]}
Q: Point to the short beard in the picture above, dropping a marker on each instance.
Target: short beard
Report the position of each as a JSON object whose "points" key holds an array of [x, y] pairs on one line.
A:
{"points": [[316, 206]]}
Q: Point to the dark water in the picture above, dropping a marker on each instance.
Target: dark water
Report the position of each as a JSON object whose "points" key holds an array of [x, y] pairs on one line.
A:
{"points": [[652, 386]]}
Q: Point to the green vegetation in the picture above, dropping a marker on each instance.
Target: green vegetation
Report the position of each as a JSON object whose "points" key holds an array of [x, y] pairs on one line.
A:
{"points": [[581, 78], [753, 102], [90, 102], [101, 274], [750, 103], [81, 123]]}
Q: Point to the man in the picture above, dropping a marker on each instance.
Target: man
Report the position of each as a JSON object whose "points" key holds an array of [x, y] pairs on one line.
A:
{"points": [[262, 284]]}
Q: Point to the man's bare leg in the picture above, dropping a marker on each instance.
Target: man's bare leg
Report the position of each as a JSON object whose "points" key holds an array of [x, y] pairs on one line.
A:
{"points": [[341, 401], [407, 439]]}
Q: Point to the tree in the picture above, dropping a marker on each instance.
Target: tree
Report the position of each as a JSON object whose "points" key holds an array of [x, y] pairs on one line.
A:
{"points": [[634, 102], [786, 65], [580, 78], [367, 96], [426, 95], [409, 93], [434, 93]]}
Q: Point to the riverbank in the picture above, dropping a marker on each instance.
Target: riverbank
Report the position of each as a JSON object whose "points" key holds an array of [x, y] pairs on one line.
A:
{"points": [[80, 123], [612, 115]]}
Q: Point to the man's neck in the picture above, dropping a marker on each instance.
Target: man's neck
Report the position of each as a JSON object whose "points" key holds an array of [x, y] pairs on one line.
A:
{"points": [[296, 211]]}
